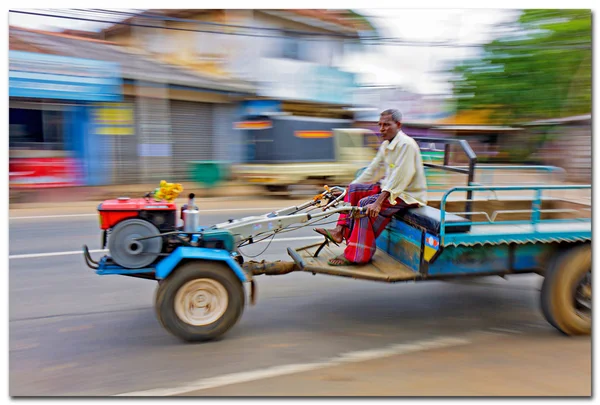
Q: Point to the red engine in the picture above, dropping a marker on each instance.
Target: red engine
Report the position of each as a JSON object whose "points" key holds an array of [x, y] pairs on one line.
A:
{"points": [[134, 228], [161, 214]]}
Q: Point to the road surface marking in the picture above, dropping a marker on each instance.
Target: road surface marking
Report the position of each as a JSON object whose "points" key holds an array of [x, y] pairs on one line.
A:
{"points": [[34, 255], [366, 334], [75, 328], [79, 252], [259, 209], [59, 367], [277, 371], [513, 331], [280, 345], [24, 346], [537, 325]]}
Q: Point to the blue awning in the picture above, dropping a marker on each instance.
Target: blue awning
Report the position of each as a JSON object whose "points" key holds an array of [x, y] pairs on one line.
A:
{"points": [[36, 75]]}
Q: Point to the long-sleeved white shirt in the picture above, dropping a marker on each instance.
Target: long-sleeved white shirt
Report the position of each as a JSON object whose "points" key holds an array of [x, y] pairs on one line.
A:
{"points": [[399, 166]]}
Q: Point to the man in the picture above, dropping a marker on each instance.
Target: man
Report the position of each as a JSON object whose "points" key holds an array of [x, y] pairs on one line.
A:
{"points": [[394, 180]]}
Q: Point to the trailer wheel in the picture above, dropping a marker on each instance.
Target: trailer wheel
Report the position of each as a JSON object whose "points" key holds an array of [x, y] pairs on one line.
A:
{"points": [[566, 295], [200, 301]]}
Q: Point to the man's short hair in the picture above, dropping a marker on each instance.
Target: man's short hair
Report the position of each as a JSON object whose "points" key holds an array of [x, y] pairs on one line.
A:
{"points": [[396, 115]]}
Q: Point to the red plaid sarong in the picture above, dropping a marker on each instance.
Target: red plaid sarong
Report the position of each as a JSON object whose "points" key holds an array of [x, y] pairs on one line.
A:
{"points": [[361, 233]]}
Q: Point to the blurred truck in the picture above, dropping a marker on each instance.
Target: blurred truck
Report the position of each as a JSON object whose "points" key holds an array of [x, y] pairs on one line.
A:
{"points": [[286, 151]]}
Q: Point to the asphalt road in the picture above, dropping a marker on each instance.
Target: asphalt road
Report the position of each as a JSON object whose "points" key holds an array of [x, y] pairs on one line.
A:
{"points": [[75, 333]]}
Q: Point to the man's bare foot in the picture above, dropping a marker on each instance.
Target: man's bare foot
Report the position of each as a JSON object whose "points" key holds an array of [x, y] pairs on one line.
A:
{"points": [[334, 235], [339, 261]]}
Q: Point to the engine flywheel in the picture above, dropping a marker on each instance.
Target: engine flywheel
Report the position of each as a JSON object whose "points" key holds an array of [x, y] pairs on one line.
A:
{"points": [[130, 253]]}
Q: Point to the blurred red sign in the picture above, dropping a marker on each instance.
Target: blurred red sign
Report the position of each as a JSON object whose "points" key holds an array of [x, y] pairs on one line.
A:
{"points": [[43, 172]]}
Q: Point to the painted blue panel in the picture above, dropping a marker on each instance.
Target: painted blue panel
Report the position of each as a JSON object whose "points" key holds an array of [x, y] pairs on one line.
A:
{"points": [[531, 256], [36, 75], [382, 242], [404, 243], [166, 266], [405, 229], [470, 260], [75, 133]]}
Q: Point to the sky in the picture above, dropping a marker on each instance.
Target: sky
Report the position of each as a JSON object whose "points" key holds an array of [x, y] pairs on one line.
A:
{"points": [[414, 68]]}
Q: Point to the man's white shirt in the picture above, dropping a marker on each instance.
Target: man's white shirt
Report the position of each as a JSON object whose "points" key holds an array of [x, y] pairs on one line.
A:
{"points": [[399, 167]]}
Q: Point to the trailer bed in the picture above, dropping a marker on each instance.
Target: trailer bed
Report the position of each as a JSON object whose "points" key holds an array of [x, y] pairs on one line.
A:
{"points": [[383, 267]]}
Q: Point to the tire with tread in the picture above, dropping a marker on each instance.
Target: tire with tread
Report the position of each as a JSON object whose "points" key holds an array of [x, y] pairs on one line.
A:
{"points": [[158, 297], [166, 294], [558, 290]]}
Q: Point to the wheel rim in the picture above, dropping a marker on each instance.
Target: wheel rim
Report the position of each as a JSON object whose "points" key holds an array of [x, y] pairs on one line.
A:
{"points": [[583, 296], [201, 301]]}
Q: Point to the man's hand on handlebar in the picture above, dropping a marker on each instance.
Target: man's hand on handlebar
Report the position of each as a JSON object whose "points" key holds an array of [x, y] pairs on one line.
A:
{"points": [[373, 209]]}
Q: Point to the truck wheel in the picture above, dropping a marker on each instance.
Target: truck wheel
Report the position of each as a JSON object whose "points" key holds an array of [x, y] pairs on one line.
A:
{"points": [[566, 294], [200, 301]]}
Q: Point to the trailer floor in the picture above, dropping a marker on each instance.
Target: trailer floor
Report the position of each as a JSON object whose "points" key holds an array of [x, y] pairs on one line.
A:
{"points": [[383, 267]]}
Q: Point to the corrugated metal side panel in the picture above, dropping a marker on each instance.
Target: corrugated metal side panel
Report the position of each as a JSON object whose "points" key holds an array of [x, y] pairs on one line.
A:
{"points": [[193, 136], [125, 161], [228, 144], [154, 138]]}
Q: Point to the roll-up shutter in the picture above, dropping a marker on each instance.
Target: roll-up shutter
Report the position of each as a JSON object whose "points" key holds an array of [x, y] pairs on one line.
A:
{"points": [[193, 136], [154, 139]]}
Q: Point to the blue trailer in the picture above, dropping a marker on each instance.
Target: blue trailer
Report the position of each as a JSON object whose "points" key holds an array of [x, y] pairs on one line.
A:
{"points": [[471, 231]]}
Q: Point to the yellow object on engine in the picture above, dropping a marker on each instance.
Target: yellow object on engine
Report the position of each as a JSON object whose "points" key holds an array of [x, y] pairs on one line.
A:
{"points": [[167, 191]]}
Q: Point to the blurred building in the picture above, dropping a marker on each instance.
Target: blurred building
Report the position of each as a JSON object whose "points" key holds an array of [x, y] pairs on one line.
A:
{"points": [[565, 142], [153, 119], [185, 82], [291, 55], [52, 100]]}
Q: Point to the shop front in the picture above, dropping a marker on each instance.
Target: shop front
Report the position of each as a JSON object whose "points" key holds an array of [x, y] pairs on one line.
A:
{"points": [[52, 140]]}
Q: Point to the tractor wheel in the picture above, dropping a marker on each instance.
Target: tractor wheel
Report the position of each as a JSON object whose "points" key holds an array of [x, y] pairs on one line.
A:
{"points": [[200, 301]]}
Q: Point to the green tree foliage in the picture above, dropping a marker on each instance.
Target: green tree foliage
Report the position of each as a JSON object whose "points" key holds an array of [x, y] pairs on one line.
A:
{"points": [[541, 67]]}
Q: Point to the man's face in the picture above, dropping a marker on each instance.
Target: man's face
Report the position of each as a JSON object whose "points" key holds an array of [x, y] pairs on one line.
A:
{"points": [[388, 127]]}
